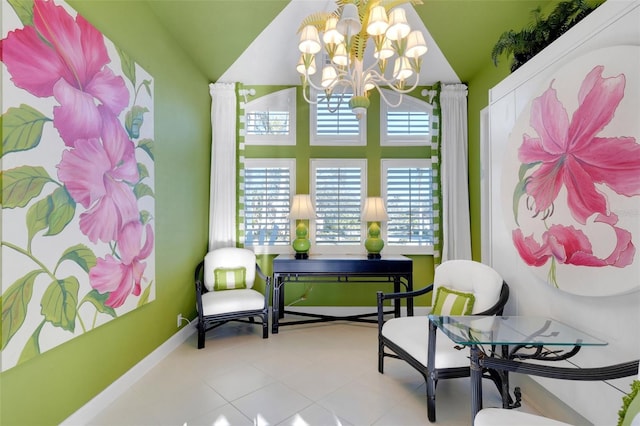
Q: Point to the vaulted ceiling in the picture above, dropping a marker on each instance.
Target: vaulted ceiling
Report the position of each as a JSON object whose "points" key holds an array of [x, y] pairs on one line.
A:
{"points": [[215, 33]]}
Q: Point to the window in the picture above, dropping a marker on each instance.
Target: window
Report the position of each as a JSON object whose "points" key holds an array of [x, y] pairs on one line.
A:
{"points": [[268, 188], [339, 127], [271, 119], [407, 124], [408, 190], [338, 190]]}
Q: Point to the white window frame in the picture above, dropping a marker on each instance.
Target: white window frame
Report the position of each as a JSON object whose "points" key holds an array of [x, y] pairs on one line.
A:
{"points": [[289, 163], [411, 104], [333, 140], [282, 100], [355, 248], [401, 163]]}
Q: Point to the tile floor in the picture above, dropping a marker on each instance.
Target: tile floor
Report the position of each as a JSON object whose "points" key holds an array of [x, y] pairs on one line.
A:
{"points": [[314, 374]]}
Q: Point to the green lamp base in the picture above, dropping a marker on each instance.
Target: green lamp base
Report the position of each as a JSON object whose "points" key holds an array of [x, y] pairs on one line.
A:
{"points": [[301, 244], [374, 244]]}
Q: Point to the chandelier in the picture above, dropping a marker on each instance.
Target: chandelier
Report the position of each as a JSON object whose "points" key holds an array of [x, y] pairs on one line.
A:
{"points": [[345, 34]]}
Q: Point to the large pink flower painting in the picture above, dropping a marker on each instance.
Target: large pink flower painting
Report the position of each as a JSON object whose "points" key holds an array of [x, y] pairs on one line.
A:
{"points": [[575, 202], [77, 179]]}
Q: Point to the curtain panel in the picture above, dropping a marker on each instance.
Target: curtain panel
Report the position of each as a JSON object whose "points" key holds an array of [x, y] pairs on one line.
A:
{"points": [[222, 199], [456, 232]]}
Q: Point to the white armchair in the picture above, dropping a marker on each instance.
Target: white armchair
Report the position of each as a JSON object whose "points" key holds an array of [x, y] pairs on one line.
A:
{"points": [[225, 282], [470, 287]]}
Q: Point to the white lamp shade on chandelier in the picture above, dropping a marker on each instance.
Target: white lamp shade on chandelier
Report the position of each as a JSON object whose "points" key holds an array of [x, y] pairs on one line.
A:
{"points": [[341, 38]]}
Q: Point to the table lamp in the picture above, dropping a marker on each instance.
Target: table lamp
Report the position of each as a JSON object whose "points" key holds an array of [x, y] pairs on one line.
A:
{"points": [[301, 210], [374, 213]]}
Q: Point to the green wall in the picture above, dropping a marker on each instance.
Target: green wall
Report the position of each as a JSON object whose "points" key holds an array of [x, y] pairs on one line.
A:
{"points": [[47, 389]]}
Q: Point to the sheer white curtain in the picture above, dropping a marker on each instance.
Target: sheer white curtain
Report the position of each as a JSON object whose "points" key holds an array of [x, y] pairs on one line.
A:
{"points": [[456, 229], [222, 199]]}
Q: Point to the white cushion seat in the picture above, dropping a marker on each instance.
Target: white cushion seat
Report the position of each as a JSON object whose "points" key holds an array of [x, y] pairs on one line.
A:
{"points": [[412, 333], [502, 417], [223, 302]]}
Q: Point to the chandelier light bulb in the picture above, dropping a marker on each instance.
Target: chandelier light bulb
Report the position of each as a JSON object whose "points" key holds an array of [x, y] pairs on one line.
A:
{"points": [[309, 40], [398, 26], [378, 21]]}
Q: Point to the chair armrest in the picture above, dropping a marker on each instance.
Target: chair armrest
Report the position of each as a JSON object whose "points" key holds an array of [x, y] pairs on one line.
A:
{"points": [[267, 284], [381, 297], [502, 301]]}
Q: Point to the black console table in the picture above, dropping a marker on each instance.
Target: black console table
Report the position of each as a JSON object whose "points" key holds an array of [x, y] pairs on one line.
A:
{"points": [[344, 269]]}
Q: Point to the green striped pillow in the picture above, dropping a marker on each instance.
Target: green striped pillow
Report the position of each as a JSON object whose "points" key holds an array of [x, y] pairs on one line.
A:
{"points": [[229, 278], [452, 302]]}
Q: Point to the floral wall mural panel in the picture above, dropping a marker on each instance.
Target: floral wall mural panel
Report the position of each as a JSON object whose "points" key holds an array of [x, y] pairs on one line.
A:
{"points": [[77, 179], [571, 181]]}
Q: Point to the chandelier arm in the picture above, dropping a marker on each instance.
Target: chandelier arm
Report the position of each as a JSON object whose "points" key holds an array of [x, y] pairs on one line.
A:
{"points": [[377, 78]]}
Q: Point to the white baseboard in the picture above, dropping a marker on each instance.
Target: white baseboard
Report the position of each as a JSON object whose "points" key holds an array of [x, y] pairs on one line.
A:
{"points": [[340, 311], [101, 401]]}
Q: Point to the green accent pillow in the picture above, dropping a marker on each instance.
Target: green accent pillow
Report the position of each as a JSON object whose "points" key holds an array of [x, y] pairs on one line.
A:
{"points": [[630, 405], [229, 278], [452, 302]]}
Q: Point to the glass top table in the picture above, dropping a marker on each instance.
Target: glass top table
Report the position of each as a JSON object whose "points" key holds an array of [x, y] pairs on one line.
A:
{"points": [[512, 330], [518, 338]]}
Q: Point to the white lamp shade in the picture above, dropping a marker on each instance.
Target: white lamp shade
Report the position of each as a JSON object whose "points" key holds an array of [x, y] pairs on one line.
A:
{"points": [[402, 68], [331, 34], [378, 21], [416, 46], [340, 56], [386, 51], [309, 40], [374, 210], [398, 26], [302, 68], [349, 23], [301, 207], [329, 77]]}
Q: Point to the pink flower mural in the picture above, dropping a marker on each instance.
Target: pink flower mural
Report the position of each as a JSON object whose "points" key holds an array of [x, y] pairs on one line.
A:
{"points": [[570, 153], [77, 181]]}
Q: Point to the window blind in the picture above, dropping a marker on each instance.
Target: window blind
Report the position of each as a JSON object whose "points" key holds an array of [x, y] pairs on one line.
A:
{"points": [[267, 205], [409, 206], [338, 200]]}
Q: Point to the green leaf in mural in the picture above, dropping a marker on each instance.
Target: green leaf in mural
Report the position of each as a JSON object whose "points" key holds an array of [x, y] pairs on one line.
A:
{"points": [[141, 189], [22, 129], [60, 301], [80, 254], [24, 10], [98, 300], [38, 217], [63, 209], [520, 190], [128, 66], [32, 348], [147, 146], [133, 120], [147, 86], [22, 184], [144, 297], [145, 217], [14, 303], [143, 171]]}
